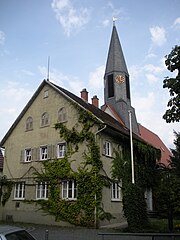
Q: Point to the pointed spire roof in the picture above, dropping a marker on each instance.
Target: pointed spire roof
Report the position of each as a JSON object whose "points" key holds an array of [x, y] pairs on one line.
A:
{"points": [[115, 61]]}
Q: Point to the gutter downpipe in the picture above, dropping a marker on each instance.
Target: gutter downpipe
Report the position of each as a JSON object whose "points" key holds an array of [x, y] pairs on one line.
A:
{"points": [[95, 209]]}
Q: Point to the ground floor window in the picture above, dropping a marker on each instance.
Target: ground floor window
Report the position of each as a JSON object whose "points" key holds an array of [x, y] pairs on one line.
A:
{"points": [[69, 190], [19, 192], [42, 190], [115, 191]]}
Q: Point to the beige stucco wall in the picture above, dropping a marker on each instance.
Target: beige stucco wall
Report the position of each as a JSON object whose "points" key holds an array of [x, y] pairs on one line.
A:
{"points": [[21, 139]]}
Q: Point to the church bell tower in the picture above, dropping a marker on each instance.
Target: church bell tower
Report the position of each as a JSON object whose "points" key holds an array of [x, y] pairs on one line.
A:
{"points": [[116, 83]]}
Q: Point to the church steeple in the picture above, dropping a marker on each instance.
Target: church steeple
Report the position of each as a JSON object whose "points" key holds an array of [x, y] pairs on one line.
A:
{"points": [[115, 60], [116, 82]]}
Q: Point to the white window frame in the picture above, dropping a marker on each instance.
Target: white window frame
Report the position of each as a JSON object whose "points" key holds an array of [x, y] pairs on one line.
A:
{"points": [[116, 191], [69, 190], [43, 152], [28, 155], [19, 190], [61, 150], [41, 190], [108, 148]]}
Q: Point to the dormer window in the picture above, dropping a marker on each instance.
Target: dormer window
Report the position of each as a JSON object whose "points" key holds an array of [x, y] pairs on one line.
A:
{"points": [[44, 119], [62, 116], [29, 124]]}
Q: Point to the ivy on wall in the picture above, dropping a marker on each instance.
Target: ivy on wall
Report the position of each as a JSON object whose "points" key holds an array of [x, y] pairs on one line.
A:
{"points": [[87, 209], [145, 157], [5, 190]]}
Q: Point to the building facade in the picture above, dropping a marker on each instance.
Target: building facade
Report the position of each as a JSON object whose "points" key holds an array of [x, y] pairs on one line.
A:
{"points": [[59, 152]]}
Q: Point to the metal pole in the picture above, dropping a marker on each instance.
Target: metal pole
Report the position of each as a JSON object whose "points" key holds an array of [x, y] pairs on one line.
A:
{"points": [[131, 145]]}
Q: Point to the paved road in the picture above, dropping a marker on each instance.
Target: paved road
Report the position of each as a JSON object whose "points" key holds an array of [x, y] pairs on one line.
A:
{"points": [[55, 233]]}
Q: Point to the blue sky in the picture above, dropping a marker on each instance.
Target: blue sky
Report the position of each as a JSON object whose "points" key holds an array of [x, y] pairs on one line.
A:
{"points": [[76, 35]]}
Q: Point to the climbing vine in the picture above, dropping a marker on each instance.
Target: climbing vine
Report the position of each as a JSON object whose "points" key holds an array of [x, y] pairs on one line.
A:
{"points": [[145, 157], [5, 190], [87, 208]]}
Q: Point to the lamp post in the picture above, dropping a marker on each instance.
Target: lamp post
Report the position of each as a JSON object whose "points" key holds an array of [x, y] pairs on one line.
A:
{"points": [[131, 145]]}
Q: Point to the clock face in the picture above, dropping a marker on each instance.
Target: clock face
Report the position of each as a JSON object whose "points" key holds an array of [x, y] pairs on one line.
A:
{"points": [[120, 79]]}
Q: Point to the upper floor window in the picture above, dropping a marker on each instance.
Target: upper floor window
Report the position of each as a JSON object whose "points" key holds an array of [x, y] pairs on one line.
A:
{"points": [[62, 115], [42, 190], [61, 149], [19, 192], [43, 153], [116, 191], [69, 190], [29, 123], [45, 119], [108, 148], [28, 155]]}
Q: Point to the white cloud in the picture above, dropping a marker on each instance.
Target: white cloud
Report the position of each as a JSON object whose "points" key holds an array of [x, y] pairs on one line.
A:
{"points": [[95, 78], [176, 23], [154, 69], [14, 97], [151, 78], [26, 72], [70, 17], [2, 37], [158, 35], [105, 22], [69, 82]]}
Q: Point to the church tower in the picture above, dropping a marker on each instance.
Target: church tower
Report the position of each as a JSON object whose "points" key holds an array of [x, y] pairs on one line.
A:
{"points": [[117, 95]]}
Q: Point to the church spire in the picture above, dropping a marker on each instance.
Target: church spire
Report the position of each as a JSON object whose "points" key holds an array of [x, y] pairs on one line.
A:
{"points": [[115, 61]]}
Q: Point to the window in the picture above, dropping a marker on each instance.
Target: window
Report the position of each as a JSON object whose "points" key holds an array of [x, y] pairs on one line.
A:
{"points": [[28, 155], [42, 190], [43, 153], [116, 191], [46, 94], [107, 148], [29, 124], [20, 234], [44, 119], [127, 87], [19, 190], [110, 86], [62, 115], [69, 189], [61, 149]]}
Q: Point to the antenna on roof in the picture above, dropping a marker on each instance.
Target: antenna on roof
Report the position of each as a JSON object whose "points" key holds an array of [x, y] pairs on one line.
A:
{"points": [[48, 68]]}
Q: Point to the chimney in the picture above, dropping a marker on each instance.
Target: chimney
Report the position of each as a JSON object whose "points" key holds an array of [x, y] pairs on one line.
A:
{"points": [[95, 101], [84, 95]]}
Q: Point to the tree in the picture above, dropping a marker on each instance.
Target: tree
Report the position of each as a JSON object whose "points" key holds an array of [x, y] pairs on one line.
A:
{"points": [[172, 62], [176, 154]]}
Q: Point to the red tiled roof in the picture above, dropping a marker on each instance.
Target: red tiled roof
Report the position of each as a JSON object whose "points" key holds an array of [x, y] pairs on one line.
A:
{"points": [[1, 160], [154, 140]]}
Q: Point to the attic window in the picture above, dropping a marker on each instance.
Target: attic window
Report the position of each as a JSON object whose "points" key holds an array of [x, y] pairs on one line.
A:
{"points": [[44, 119], [46, 94], [29, 124], [110, 86]]}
